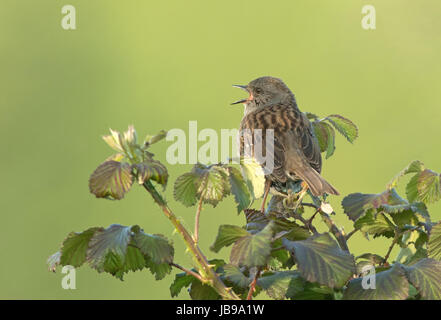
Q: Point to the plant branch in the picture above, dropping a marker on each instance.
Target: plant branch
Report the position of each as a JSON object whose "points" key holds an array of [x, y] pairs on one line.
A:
{"points": [[350, 234], [339, 236], [310, 205], [207, 273], [253, 285], [196, 221], [389, 251], [313, 216], [306, 223], [187, 271]]}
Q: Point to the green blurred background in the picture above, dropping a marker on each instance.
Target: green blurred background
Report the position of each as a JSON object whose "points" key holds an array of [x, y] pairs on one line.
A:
{"points": [[158, 65]]}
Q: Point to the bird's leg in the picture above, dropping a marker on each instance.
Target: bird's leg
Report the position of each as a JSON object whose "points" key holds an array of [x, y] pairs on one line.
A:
{"points": [[301, 194], [265, 194]]}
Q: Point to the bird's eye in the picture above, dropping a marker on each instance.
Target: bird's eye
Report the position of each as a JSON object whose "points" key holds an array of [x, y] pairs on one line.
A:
{"points": [[258, 90]]}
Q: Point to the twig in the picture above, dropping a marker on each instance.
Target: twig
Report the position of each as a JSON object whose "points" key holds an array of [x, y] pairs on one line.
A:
{"points": [[306, 223], [310, 205], [253, 285], [350, 234], [187, 271], [313, 216], [339, 236], [196, 221], [389, 251], [207, 273]]}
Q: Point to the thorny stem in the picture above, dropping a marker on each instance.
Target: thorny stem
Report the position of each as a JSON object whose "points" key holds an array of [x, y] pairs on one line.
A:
{"points": [[253, 285], [196, 221], [208, 275], [187, 271]]}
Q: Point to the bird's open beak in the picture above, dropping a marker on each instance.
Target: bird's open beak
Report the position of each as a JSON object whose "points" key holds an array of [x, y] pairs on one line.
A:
{"points": [[243, 88]]}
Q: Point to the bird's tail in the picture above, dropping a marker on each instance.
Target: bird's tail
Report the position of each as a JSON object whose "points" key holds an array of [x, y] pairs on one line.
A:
{"points": [[316, 183]]}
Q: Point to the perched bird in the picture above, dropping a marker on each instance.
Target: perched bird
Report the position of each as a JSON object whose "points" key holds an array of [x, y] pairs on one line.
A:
{"points": [[272, 105]]}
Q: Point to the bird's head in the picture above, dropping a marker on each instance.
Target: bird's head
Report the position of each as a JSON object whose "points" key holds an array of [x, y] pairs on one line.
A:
{"points": [[265, 91]]}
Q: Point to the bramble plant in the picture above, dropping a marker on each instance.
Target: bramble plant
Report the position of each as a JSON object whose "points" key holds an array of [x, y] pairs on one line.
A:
{"points": [[279, 251]]}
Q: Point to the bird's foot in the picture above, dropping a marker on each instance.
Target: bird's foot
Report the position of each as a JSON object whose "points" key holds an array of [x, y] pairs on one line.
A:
{"points": [[294, 200]]}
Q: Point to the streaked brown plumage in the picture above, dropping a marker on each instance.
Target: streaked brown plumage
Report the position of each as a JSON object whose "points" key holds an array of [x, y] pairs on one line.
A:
{"points": [[271, 105]]}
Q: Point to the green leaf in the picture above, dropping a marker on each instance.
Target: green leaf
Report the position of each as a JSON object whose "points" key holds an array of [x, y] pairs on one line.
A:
{"points": [[389, 285], [130, 138], [405, 219], [116, 250], [289, 229], [429, 186], [325, 135], [320, 259], [114, 140], [355, 205], [227, 235], [404, 213], [124, 143], [421, 240], [182, 280], [74, 247], [233, 273], [410, 256], [156, 246], [159, 270], [345, 126], [134, 260], [254, 176], [211, 183], [200, 291], [253, 250], [185, 189], [108, 247], [282, 285], [321, 133], [331, 140], [239, 189], [217, 264], [434, 243], [377, 225], [112, 179], [412, 188], [151, 170], [313, 291], [413, 167], [282, 259], [425, 276], [424, 186]]}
